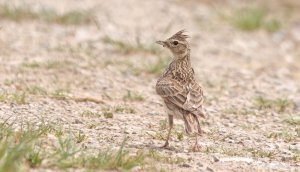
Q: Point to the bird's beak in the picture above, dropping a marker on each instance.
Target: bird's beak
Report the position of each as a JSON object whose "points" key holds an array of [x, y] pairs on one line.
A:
{"points": [[163, 43]]}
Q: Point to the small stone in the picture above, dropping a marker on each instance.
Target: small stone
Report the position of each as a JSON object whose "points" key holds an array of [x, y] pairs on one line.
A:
{"points": [[199, 164], [230, 141], [231, 124], [152, 113], [185, 165], [216, 159], [77, 121], [286, 158], [297, 104], [209, 169]]}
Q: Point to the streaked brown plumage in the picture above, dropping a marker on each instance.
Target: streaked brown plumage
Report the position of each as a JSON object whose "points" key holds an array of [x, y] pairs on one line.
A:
{"points": [[180, 92]]}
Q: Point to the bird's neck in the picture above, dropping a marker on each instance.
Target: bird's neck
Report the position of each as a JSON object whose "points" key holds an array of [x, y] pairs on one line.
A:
{"points": [[182, 68], [183, 58]]}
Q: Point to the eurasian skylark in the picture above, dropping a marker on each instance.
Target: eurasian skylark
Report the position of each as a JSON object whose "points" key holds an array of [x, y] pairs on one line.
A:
{"points": [[181, 94]]}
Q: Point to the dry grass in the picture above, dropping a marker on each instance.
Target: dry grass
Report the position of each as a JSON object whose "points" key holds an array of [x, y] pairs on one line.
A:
{"points": [[25, 13], [82, 95], [251, 19], [127, 47], [280, 105], [17, 97], [131, 96], [20, 150]]}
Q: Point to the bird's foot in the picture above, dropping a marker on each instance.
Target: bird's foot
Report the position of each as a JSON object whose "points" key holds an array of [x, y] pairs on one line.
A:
{"points": [[165, 146], [196, 148]]}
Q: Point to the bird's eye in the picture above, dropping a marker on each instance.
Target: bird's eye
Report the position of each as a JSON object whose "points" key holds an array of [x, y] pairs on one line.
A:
{"points": [[175, 42]]}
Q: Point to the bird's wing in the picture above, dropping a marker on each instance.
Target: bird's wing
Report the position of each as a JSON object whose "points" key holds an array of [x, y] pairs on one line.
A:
{"points": [[188, 97], [194, 98], [172, 90], [169, 87]]}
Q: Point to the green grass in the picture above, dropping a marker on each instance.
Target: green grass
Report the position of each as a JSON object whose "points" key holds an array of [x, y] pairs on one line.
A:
{"points": [[293, 121], [251, 19], [159, 157], [18, 148], [59, 94], [298, 132], [231, 152], [65, 153], [25, 148], [17, 97], [296, 154], [131, 96], [179, 135], [127, 47], [45, 65], [284, 134], [73, 18], [120, 160], [68, 156], [236, 111], [272, 25], [80, 137], [36, 90], [107, 114], [25, 13], [222, 150], [34, 157], [248, 19], [296, 157], [161, 132], [123, 109], [163, 124], [88, 113], [260, 153], [8, 82], [32, 65], [158, 67], [279, 105]]}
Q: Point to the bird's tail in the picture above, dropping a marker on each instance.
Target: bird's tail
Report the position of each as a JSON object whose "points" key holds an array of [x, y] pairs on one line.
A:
{"points": [[192, 124], [199, 112]]}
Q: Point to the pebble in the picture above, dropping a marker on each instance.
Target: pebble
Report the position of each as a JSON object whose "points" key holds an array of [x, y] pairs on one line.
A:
{"points": [[185, 165], [152, 113], [77, 121], [199, 164], [216, 159], [209, 169], [286, 158], [297, 105]]}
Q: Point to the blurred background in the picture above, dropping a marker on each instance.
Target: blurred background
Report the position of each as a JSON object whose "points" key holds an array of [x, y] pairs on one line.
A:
{"points": [[82, 74]]}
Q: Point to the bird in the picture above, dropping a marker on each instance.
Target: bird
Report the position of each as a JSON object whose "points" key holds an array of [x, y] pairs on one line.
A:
{"points": [[181, 94]]}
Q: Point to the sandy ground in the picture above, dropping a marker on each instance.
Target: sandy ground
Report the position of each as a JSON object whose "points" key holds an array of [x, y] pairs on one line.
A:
{"points": [[234, 67]]}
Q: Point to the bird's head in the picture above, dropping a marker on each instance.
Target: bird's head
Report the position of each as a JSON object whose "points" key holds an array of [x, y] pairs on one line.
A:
{"points": [[177, 44]]}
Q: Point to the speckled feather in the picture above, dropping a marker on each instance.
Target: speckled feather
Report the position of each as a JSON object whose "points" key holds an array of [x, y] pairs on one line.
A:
{"points": [[182, 95]]}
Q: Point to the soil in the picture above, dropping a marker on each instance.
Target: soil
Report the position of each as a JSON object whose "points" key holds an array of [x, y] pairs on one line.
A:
{"points": [[251, 80]]}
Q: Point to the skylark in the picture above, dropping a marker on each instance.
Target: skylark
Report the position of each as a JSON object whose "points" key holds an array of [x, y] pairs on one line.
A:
{"points": [[182, 95]]}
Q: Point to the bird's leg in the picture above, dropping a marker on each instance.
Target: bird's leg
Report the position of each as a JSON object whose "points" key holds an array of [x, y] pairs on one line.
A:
{"points": [[196, 147], [169, 131]]}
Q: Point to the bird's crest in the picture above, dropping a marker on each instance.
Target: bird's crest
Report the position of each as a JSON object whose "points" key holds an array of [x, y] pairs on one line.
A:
{"points": [[180, 36]]}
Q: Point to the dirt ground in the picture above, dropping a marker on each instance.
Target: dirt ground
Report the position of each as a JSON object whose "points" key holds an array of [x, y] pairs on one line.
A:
{"points": [[98, 78]]}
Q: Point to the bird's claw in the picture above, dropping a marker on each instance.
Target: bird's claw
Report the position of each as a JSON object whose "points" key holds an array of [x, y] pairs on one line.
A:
{"points": [[196, 148], [165, 146]]}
